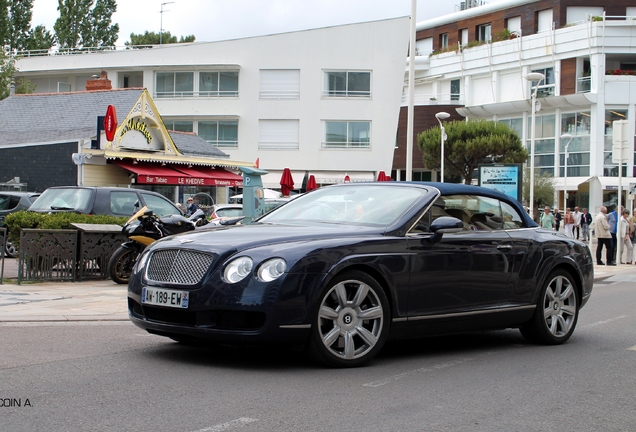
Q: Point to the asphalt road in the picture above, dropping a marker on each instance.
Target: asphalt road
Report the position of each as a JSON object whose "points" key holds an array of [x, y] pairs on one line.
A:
{"points": [[111, 376]]}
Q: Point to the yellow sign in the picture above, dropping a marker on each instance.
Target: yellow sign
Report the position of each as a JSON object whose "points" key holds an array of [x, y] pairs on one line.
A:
{"points": [[139, 127]]}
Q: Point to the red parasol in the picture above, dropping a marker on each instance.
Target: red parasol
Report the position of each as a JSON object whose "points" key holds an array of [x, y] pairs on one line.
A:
{"points": [[286, 182], [311, 183], [383, 177]]}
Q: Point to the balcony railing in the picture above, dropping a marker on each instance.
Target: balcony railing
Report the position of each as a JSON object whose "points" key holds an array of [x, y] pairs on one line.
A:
{"points": [[584, 84]]}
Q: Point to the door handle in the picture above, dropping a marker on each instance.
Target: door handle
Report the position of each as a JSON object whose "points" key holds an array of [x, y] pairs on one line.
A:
{"points": [[505, 247]]}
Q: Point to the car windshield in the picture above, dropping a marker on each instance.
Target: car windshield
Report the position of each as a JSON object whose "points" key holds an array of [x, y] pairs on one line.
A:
{"points": [[73, 199], [355, 204]]}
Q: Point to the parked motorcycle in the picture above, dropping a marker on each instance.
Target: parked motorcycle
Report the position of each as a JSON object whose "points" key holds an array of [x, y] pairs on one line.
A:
{"points": [[142, 229]]}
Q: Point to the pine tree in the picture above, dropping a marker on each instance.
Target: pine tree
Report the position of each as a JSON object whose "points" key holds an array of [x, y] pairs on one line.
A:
{"points": [[40, 39], [82, 25]]}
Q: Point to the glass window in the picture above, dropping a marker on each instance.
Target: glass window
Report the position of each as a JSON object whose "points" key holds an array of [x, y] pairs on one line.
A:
{"points": [[180, 125], [478, 213], [222, 133], [175, 84], [610, 168], [165, 84], [575, 134], [483, 33], [347, 84], [547, 86], [159, 205], [443, 41], [455, 89], [228, 84], [208, 83], [124, 203], [347, 134], [544, 144]]}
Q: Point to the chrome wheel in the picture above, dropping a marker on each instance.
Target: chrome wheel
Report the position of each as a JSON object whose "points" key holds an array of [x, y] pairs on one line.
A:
{"points": [[559, 306], [352, 321], [557, 311]]}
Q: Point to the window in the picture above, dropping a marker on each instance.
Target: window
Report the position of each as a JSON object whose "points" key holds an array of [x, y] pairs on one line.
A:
{"points": [[513, 24], [347, 84], [463, 36], [577, 125], [181, 126], [543, 143], [347, 135], [455, 89], [159, 205], [483, 33], [610, 169], [218, 84], [516, 124], [443, 41], [278, 134], [280, 84], [123, 203], [221, 133], [209, 84], [547, 86], [544, 21]]}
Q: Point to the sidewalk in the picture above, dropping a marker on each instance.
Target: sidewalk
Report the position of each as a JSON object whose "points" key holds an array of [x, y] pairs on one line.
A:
{"points": [[104, 300]]}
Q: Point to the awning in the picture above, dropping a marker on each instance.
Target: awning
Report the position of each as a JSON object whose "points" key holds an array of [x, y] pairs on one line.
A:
{"points": [[180, 175]]}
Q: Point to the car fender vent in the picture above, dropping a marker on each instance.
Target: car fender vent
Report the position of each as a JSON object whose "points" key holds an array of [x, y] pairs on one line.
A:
{"points": [[178, 266]]}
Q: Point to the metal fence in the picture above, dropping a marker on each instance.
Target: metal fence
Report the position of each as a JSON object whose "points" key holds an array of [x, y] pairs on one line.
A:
{"points": [[3, 242]]}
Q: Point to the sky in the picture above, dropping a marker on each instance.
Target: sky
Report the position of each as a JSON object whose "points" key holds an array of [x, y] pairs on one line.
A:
{"points": [[210, 20]]}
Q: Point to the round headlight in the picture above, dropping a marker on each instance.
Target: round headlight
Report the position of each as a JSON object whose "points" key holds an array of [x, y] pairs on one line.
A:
{"points": [[271, 269], [238, 269]]}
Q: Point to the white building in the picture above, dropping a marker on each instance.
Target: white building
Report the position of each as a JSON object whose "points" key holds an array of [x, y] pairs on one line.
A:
{"points": [[474, 64], [324, 101]]}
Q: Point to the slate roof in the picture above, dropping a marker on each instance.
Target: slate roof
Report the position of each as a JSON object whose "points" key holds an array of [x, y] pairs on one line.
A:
{"points": [[44, 118]]}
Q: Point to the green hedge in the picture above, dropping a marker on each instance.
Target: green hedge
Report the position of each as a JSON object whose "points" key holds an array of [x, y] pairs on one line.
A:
{"points": [[63, 220]]}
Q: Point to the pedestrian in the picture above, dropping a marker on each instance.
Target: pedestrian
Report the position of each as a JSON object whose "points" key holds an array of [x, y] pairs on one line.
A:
{"points": [[601, 228], [586, 221], [557, 219], [569, 223], [577, 221], [623, 235], [547, 219], [191, 208], [612, 219]]}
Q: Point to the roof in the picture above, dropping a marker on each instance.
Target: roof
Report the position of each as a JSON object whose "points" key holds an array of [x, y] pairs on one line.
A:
{"points": [[59, 117], [191, 144]]}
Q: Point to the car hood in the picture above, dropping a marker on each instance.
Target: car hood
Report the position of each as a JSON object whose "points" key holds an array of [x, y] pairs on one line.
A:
{"points": [[241, 237]]}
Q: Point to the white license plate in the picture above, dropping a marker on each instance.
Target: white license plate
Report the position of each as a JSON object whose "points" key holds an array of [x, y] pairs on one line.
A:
{"points": [[165, 297]]}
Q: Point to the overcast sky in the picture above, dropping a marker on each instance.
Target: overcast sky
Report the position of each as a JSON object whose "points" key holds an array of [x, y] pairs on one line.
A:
{"points": [[210, 20]]}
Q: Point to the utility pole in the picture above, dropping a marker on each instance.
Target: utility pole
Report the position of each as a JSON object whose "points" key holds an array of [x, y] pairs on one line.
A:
{"points": [[161, 21]]}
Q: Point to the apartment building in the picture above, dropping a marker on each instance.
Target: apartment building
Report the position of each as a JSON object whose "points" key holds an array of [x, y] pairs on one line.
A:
{"points": [[321, 101], [476, 63]]}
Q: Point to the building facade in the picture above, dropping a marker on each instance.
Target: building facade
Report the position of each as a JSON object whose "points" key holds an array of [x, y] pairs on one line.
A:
{"points": [[475, 64], [323, 101]]}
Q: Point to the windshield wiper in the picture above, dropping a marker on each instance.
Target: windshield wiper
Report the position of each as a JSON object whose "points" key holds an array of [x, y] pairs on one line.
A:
{"points": [[61, 208]]}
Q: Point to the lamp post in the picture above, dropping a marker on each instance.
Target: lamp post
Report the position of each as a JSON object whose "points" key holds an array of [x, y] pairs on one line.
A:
{"points": [[442, 116], [565, 193], [161, 21], [533, 76]]}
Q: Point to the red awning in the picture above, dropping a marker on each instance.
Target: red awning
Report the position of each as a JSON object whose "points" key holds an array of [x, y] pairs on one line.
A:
{"points": [[148, 173]]}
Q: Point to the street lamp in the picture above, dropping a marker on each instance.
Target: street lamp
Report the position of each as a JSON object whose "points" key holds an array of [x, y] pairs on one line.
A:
{"points": [[442, 116], [161, 21], [567, 155], [538, 77]]}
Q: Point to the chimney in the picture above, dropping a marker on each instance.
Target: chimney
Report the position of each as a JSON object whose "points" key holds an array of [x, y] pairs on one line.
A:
{"points": [[100, 83]]}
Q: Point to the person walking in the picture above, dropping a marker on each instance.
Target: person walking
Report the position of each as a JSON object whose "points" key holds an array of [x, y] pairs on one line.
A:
{"points": [[612, 219], [568, 220], [577, 221], [557, 219], [601, 228], [586, 221], [547, 219], [623, 235]]}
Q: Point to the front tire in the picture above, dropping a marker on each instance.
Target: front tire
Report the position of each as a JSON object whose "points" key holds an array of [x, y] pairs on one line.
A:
{"points": [[121, 264], [10, 251], [557, 311], [352, 321]]}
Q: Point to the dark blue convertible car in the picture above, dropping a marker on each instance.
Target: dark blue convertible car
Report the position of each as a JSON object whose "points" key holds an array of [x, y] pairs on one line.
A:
{"points": [[342, 268]]}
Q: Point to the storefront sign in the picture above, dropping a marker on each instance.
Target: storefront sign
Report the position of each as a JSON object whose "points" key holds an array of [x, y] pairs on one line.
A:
{"points": [[504, 178]]}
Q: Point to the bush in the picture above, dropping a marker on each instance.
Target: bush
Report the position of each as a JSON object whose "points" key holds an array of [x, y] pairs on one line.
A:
{"points": [[63, 220]]}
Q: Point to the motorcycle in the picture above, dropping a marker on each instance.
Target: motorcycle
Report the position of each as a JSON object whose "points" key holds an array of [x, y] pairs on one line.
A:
{"points": [[142, 229]]}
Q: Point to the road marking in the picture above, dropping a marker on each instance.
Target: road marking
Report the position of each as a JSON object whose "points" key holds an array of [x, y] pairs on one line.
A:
{"points": [[598, 323], [632, 348], [239, 422], [433, 368]]}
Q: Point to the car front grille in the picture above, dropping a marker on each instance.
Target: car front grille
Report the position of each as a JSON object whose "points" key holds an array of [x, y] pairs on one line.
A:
{"points": [[178, 266]]}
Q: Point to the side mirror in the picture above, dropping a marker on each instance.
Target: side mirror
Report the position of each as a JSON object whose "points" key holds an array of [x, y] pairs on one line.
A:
{"points": [[443, 225]]}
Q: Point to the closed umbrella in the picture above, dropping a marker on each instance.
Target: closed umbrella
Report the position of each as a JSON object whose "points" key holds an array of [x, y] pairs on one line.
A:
{"points": [[286, 182], [383, 177], [311, 183]]}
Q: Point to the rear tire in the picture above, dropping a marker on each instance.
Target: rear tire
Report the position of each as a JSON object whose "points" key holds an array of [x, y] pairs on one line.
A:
{"points": [[121, 264], [352, 321], [557, 311], [10, 251]]}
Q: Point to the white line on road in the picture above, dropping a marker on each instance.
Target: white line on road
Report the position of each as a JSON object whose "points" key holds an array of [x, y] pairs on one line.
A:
{"points": [[433, 368], [239, 422], [598, 323]]}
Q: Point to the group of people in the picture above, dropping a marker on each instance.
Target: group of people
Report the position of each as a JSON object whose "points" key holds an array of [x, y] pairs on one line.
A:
{"points": [[609, 229]]}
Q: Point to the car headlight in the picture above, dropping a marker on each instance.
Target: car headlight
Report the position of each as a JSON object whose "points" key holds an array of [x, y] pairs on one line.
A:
{"points": [[238, 269], [271, 269], [141, 261]]}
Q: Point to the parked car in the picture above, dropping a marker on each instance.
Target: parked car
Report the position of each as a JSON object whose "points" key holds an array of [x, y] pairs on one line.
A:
{"points": [[343, 268], [11, 202], [113, 201], [226, 210]]}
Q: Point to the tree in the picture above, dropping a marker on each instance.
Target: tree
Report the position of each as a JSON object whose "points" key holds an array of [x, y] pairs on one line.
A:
{"points": [[40, 39], [15, 23], [151, 38], [7, 70], [543, 190], [470, 143], [82, 25]]}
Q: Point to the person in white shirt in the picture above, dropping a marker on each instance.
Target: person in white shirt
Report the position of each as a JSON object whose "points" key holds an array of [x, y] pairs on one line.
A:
{"points": [[577, 221], [623, 236]]}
